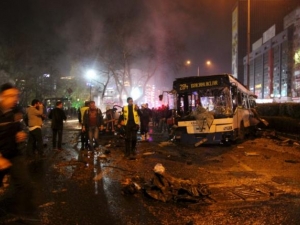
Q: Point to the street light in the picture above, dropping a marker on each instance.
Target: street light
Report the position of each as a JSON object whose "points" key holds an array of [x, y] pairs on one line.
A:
{"points": [[90, 75], [207, 63], [248, 43]]}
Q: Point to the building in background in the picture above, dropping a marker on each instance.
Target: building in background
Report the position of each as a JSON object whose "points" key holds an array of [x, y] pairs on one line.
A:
{"points": [[275, 63], [264, 14]]}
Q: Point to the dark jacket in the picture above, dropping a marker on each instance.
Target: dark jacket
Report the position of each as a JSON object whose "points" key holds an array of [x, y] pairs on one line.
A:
{"points": [[86, 118], [57, 116], [9, 127]]}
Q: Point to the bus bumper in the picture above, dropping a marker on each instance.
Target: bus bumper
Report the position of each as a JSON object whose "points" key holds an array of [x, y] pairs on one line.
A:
{"points": [[215, 138]]}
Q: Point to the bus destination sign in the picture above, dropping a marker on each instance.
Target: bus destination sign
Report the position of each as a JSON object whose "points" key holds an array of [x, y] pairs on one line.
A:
{"points": [[203, 84]]}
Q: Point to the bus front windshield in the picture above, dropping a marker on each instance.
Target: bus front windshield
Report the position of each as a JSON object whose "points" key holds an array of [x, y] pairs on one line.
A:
{"points": [[217, 101]]}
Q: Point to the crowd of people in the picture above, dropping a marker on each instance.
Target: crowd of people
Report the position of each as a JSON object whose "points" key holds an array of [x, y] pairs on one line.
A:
{"points": [[111, 121], [20, 142]]}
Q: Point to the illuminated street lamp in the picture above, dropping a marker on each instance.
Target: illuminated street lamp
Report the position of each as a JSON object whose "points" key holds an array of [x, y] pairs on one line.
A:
{"points": [[248, 43], [91, 74], [207, 63]]}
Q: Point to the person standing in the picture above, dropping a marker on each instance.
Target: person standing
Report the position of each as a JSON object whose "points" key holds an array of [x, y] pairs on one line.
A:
{"points": [[110, 122], [57, 116], [12, 138], [83, 134], [35, 122], [145, 119], [93, 122], [131, 121]]}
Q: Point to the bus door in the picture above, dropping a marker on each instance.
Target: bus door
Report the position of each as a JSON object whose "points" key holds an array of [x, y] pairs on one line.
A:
{"points": [[187, 102]]}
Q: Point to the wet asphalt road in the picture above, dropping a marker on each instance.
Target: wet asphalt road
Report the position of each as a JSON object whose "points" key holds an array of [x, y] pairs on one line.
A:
{"points": [[70, 195], [81, 188]]}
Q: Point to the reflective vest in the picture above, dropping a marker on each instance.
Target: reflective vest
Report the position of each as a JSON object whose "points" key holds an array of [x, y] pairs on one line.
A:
{"points": [[135, 115], [82, 110]]}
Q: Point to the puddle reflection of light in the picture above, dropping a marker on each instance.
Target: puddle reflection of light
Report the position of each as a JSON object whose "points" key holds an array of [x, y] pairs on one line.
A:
{"points": [[107, 182], [96, 182], [102, 177], [71, 121]]}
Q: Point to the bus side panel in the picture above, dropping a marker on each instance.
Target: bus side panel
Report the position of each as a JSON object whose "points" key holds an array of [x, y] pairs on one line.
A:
{"points": [[240, 115], [223, 121]]}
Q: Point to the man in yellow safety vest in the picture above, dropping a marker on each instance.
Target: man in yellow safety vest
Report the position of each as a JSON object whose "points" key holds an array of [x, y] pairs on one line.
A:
{"points": [[131, 121]]}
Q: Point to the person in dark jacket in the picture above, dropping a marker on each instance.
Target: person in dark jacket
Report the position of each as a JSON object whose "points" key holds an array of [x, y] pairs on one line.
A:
{"points": [[11, 138], [57, 116], [83, 134], [145, 117], [93, 122]]}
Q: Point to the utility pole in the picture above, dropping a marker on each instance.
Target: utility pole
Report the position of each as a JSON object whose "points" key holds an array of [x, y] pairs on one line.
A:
{"points": [[248, 46]]}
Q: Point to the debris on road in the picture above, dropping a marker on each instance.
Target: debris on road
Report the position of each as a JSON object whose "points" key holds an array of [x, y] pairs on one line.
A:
{"points": [[201, 142], [251, 153], [165, 143], [165, 187], [148, 153], [59, 191], [291, 161], [102, 156], [46, 204], [4, 163]]}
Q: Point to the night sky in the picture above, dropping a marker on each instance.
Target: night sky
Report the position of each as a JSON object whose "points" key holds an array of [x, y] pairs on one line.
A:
{"points": [[73, 29]]}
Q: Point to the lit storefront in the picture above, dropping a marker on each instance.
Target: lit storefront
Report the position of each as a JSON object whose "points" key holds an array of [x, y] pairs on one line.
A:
{"points": [[274, 65]]}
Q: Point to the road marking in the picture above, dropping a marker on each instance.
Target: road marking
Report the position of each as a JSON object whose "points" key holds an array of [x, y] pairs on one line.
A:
{"points": [[244, 166]]}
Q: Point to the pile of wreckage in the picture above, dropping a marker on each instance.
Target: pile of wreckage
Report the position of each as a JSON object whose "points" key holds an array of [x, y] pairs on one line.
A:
{"points": [[166, 188]]}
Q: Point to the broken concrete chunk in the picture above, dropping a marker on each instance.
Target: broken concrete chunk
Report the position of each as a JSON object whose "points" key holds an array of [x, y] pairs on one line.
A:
{"points": [[148, 153], [159, 168], [251, 153], [102, 156], [201, 142], [291, 161]]}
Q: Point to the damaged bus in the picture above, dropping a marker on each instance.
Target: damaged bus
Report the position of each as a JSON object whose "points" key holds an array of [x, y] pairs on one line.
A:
{"points": [[213, 109]]}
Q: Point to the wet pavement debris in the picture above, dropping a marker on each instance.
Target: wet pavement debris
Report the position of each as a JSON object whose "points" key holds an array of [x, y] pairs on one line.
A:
{"points": [[166, 188], [251, 154]]}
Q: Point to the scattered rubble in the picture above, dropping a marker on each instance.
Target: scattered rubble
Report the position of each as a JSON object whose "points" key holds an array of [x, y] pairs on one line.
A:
{"points": [[47, 204], [291, 161], [4, 163], [165, 143], [148, 153], [165, 187], [251, 153], [201, 142]]}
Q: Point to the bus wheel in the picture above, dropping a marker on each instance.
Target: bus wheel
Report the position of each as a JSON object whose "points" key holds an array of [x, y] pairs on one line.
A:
{"points": [[242, 131]]}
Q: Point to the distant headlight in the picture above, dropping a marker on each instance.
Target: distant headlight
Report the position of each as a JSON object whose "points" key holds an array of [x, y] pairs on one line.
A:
{"points": [[227, 128]]}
